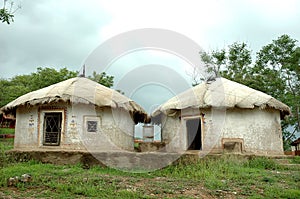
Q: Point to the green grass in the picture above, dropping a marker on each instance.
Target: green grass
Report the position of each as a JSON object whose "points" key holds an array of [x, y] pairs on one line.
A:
{"points": [[224, 176], [7, 131], [295, 160], [5, 145]]}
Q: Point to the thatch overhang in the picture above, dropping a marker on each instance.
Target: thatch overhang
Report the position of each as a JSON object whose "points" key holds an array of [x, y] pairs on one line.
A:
{"points": [[79, 90], [221, 93]]}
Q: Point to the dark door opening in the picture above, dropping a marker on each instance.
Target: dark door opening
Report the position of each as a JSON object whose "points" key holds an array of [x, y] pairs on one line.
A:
{"points": [[193, 127], [52, 129]]}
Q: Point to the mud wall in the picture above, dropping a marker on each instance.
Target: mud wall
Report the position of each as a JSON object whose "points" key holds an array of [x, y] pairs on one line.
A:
{"points": [[84, 127], [256, 131]]}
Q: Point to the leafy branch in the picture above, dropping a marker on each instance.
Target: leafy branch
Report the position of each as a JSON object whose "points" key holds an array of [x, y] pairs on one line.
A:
{"points": [[7, 14]]}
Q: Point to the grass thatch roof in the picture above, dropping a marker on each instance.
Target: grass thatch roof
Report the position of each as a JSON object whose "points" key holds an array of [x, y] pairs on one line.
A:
{"points": [[221, 93], [80, 90]]}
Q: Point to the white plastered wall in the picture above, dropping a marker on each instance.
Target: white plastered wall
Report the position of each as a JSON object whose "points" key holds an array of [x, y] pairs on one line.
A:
{"points": [[114, 130], [26, 130], [259, 130]]}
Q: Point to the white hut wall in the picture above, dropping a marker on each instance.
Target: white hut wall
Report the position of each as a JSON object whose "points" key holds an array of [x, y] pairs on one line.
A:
{"points": [[172, 134], [118, 127], [99, 129], [259, 130], [174, 128], [26, 130], [83, 127]]}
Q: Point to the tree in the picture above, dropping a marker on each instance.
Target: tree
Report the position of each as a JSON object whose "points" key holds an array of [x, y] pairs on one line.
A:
{"points": [[7, 14], [212, 64], [279, 62], [48, 76], [102, 78], [19, 85], [232, 64]]}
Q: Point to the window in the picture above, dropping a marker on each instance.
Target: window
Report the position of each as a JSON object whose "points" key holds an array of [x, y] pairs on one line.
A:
{"points": [[92, 126], [148, 133], [52, 128]]}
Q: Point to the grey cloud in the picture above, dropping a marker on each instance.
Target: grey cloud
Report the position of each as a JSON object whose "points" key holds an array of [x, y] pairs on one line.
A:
{"points": [[47, 34]]}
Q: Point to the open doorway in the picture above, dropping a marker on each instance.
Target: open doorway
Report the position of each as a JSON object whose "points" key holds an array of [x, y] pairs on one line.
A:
{"points": [[193, 129]]}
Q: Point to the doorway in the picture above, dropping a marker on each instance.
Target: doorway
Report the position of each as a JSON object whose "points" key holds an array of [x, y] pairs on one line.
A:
{"points": [[52, 128], [194, 139]]}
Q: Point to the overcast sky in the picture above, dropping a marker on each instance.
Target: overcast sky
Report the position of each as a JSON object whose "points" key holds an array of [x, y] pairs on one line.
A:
{"points": [[62, 33]]}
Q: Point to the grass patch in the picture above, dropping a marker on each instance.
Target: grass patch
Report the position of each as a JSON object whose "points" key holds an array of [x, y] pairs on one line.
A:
{"points": [[5, 145], [262, 163], [295, 160], [7, 131], [223, 176]]}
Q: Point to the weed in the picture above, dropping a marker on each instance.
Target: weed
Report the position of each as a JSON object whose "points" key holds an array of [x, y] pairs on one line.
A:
{"points": [[267, 179]]}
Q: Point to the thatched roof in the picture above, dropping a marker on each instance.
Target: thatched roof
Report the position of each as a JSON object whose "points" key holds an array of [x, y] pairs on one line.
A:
{"points": [[80, 90], [221, 93]]}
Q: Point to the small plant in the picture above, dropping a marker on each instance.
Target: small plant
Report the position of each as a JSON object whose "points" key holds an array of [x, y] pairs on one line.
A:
{"points": [[137, 147]]}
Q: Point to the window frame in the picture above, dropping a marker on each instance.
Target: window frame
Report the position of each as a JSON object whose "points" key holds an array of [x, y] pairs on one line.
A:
{"points": [[88, 118], [45, 132], [42, 112]]}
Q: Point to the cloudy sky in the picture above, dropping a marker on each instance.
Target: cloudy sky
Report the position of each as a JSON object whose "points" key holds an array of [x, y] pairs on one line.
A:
{"points": [[63, 33]]}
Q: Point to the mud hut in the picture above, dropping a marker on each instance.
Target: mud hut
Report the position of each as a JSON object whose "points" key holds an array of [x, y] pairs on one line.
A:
{"points": [[76, 114], [222, 116]]}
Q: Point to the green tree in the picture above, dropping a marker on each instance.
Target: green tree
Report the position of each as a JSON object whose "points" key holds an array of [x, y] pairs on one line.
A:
{"points": [[102, 78], [277, 70], [48, 76], [239, 60], [233, 63], [11, 89], [4, 93]]}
